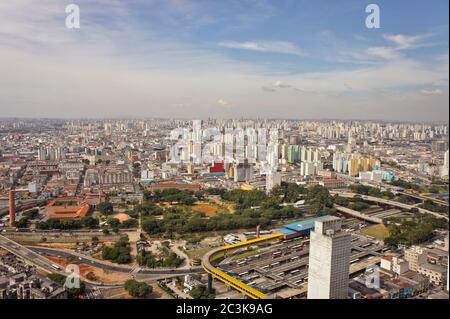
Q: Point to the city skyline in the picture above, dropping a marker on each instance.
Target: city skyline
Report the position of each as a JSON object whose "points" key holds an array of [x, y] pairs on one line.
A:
{"points": [[186, 59]]}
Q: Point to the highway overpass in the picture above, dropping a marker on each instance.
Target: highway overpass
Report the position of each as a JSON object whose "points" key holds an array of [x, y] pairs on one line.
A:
{"points": [[358, 215], [110, 266], [28, 255], [387, 202]]}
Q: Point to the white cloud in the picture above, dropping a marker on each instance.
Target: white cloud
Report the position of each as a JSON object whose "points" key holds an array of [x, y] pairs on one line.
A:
{"points": [[399, 42], [281, 85], [429, 92], [223, 103], [403, 41], [265, 46], [384, 53], [122, 70]]}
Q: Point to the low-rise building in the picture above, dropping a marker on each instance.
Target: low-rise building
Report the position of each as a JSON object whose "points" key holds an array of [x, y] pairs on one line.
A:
{"points": [[436, 273]]}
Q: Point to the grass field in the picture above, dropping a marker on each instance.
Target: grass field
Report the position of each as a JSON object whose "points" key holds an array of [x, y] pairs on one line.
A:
{"points": [[197, 253], [378, 231]]}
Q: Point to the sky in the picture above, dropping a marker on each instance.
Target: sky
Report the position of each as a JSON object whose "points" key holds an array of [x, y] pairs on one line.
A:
{"points": [[291, 59]]}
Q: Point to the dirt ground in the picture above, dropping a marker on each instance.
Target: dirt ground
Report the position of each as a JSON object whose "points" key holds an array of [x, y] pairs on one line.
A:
{"points": [[57, 245], [207, 209], [94, 273]]}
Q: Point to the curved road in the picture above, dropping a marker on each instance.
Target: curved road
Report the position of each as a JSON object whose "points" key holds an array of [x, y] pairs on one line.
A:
{"points": [[107, 266]]}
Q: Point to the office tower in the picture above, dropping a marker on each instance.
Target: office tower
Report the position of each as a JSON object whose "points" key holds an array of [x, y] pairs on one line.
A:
{"points": [[307, 169], [251, 150], [273, 179], [329, 260], [316, 156], [229, 145], [445, 167], [243, 172], [272, 155], [197, 153], [42, 156], [197, 131], [446, 159], [262, 144], [240, 145], [309, 155], [303, 154], [293, 139], [439, 146], [284, 153], [293, 154]]}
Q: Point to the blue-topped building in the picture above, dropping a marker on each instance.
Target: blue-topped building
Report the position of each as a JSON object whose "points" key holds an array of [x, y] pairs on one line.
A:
{"points": [[299, 228]]}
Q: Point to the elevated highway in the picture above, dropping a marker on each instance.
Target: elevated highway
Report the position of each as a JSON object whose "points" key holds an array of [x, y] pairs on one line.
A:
{"points": [[28, 255], [359, 215], [387, 202], [424, 197]]}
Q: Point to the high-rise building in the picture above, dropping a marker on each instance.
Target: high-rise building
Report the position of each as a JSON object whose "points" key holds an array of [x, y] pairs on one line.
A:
{"points": [[243, 172], [329, 260], [273, 179], [42, 156], [293, 154], [439, 146]]}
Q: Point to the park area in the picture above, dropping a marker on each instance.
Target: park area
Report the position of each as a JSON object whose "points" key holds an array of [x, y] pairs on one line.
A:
{"points": [[379, 232]]}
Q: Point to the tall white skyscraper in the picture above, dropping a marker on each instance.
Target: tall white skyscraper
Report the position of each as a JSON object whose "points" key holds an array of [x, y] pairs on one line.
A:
{"points": [[273, 179], [329, 260]]}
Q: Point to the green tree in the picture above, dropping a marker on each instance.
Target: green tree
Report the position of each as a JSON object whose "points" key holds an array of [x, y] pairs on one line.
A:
{"points": [[201, 292], [105, 208], [137, 289]]}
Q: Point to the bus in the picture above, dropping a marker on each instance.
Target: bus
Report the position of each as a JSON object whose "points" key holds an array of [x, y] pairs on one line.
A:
{"points": [[294, 271], [54, 266], [241, 262], [243, 273], [297, 246], [276, 254], [354, 260]]}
